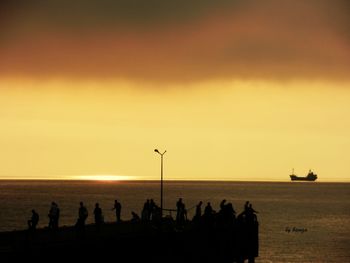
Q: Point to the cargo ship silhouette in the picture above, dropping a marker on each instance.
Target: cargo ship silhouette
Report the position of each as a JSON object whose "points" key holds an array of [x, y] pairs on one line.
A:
{"points": [[310, 177]]}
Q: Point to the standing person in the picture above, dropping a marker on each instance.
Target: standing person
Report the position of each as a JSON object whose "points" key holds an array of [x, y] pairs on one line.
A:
{"points": [[145, 214], [118, 208], [199, 209], [208, 216], [33, 222], [56, 217], [98, 216], [152, 209], [82, 216], [53, 215], [180, 211], [208, 211], [198, 213], [222, 205]]}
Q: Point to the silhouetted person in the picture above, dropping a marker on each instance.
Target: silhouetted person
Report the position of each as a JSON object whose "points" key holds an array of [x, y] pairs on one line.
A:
{"points": [[250, 214], [152, 209], [208, 211], [118, 208], [180, 211], [197, 216], [222, 204], [98, 215], [82, 216], [33, 221], [57, 217], [184, 213], [222, 213], [230, 214], [252, 231], [247, 232], [145, 214], [156, 214], [208, 217], [54, 214]]}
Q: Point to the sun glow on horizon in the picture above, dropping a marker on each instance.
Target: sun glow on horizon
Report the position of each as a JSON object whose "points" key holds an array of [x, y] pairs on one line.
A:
{"points": [[103, 177]]}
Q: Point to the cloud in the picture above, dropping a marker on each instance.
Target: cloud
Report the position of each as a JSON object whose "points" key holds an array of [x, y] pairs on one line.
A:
{"points": [[176, 40]]}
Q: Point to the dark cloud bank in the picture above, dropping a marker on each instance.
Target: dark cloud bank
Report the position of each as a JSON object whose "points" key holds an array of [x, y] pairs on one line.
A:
{"points": [[176, 40]]}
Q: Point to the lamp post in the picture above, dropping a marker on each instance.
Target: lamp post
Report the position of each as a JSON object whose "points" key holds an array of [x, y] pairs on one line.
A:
{"points": [[161, 181]]}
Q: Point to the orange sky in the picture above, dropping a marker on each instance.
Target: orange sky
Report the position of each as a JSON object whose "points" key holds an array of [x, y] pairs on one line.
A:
{"points": [[240, 90]]}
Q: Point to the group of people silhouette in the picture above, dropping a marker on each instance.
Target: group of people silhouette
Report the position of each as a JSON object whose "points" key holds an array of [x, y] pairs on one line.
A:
{"points": [[226, 215], [54, 215], [224, 234], [152, 212]]}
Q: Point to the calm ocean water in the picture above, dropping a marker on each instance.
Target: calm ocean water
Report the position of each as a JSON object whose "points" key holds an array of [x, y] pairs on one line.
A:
{"points": [[321, 210]]}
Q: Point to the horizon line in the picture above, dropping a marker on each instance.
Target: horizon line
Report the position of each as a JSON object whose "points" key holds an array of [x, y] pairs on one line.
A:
{"points": [[166, 180]]}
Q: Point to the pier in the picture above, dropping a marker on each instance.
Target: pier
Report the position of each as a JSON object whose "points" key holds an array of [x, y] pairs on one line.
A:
{"points": [[129, 241]]}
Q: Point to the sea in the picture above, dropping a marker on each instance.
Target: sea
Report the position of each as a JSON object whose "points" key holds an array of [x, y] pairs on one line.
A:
{"points": [[298, 221]]}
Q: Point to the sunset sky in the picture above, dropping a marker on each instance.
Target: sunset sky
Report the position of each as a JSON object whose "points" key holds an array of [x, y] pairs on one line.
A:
{"points": [[233, 90]]}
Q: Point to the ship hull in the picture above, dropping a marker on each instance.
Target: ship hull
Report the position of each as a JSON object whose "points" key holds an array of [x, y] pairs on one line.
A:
{"points": [[297, 178], [302, 179]]}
